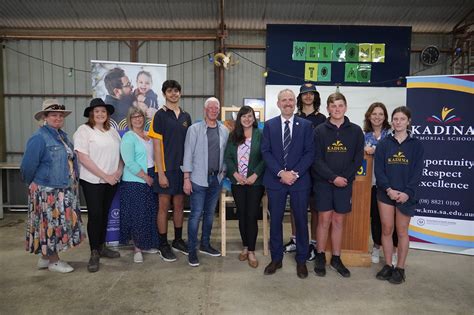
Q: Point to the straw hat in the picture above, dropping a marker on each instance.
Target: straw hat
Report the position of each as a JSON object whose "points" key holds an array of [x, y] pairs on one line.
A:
{"points": [[51, 105]]}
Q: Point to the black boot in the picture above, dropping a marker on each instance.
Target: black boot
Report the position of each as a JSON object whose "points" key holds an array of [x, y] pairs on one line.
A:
{"points": [[93, 264]]}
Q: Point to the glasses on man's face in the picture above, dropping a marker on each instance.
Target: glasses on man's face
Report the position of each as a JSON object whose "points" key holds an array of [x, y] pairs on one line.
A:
{"points": [[56, 107], [128, 85]]}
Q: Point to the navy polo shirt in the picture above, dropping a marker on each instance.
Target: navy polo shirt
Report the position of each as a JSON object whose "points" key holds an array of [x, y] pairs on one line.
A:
{"points": [[314, 119], [171, 130]]}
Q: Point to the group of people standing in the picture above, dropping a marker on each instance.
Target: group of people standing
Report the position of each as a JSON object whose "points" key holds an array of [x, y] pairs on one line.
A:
{"points": [[303, 156]]}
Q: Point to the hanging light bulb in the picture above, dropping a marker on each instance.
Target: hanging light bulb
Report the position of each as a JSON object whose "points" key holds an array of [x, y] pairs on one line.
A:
{"points": [[265, 74], [69, 74], [337, 88], [211, 59]]}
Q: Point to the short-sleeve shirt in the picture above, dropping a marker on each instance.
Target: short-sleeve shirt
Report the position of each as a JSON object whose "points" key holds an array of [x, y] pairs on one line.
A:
{"points": [[171, 130], [314, 119], [103, 148]]}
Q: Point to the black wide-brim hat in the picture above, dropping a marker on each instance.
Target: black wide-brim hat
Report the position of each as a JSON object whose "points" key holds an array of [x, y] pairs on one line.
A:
{"points": [[96, 102]]}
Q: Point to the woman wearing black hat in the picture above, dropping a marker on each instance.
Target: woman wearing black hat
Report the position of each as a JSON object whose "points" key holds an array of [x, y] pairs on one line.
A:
{"points": [[49, 166], [98, 148]]}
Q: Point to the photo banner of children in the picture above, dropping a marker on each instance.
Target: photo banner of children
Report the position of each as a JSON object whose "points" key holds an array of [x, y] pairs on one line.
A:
{"points": [[122, 85]]}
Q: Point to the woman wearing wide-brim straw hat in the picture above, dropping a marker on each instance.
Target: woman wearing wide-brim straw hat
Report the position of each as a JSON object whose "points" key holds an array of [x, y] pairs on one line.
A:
{"points": [[49, 166], [98, 148]]}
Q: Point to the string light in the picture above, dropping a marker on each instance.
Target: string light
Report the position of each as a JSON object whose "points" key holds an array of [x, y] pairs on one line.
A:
{"points": [[209, 56]]}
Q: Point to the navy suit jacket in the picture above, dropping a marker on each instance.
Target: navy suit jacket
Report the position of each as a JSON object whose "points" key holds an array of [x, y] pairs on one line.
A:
{"points": [[300, 156]]}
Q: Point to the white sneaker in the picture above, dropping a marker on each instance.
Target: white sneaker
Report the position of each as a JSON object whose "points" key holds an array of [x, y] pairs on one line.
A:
{"points": [[394, 259], [60, 266], [150, 251], [375, 255], [138, 257], [42, 263]]}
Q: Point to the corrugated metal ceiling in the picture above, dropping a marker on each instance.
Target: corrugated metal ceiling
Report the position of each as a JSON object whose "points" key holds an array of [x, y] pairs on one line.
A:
{"points": [[422, 15]]}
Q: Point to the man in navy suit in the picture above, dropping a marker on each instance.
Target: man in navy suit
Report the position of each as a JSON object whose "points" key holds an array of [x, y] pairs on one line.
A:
{"points": [[288, 150]]}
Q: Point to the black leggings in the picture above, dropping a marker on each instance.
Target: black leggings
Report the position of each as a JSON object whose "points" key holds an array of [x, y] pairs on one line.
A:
{"points": [[375, 224], [247, 200], [98, 200]]}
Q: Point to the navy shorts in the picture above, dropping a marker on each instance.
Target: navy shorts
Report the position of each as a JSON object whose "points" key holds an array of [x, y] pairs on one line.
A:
{"points": [[329, 197], [175, 180], [407, 208]]}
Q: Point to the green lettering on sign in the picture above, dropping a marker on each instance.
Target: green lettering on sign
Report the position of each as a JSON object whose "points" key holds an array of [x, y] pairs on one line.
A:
{"points": [[350, 73], [324, 72], [312, 51], [299, 51]]}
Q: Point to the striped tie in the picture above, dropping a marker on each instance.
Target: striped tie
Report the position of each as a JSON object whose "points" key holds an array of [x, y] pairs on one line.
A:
{"points": [[286, 142]]}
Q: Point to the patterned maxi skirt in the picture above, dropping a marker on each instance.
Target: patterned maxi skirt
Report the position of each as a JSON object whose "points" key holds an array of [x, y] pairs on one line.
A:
{"points": [[54, 219], [138, 211]]}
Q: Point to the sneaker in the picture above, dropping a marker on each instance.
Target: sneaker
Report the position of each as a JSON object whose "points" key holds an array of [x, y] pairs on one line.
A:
{"points": [[375, 255], [138, 257], [336, 264], [150, 251], [311, 253], [394, 259], [290, 247], [180, 246], [385, 273], [320, 264], [165, 253], [208, 250], [60, 266], [93, 264], [42, 263], [108, 253], [193, 260], [398, 276]]}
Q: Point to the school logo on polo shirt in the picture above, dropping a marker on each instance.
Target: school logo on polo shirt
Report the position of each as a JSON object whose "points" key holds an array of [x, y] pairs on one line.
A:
{"points": [[185, 124], [398, 158], [337, 146]]}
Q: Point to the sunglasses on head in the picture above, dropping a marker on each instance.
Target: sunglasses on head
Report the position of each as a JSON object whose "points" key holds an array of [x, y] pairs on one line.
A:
{"points": [[56, 107]]}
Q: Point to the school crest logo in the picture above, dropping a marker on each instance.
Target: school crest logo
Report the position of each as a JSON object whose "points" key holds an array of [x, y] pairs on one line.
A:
{"points": [[445, 117], [337, 146], [398, 158], [185, 124]]}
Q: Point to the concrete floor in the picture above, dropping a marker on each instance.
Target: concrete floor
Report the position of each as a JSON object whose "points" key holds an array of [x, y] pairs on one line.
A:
{"points": [[437, 283]]}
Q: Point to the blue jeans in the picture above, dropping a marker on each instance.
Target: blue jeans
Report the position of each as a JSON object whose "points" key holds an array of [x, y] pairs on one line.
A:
{"points": [[203, 204]]}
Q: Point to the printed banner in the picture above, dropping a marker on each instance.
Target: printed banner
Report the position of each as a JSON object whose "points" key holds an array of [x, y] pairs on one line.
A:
{"points": [[126, 84], [442, 118]]}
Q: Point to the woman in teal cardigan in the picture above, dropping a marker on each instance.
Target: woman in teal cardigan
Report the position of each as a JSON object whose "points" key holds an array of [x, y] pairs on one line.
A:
{"points": [[137, 199], [245, 169]]}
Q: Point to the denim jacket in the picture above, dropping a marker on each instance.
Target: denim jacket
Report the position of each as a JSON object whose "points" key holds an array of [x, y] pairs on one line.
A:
{"points": [[45, 160]]}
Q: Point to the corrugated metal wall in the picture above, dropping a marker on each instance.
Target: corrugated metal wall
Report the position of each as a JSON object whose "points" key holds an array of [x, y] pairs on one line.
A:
{"points": [[245, 80], [38, 76], [27, 75]]}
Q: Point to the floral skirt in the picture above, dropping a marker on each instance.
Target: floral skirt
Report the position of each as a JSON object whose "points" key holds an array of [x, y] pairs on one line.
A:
{"points": [[54, 220]]}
